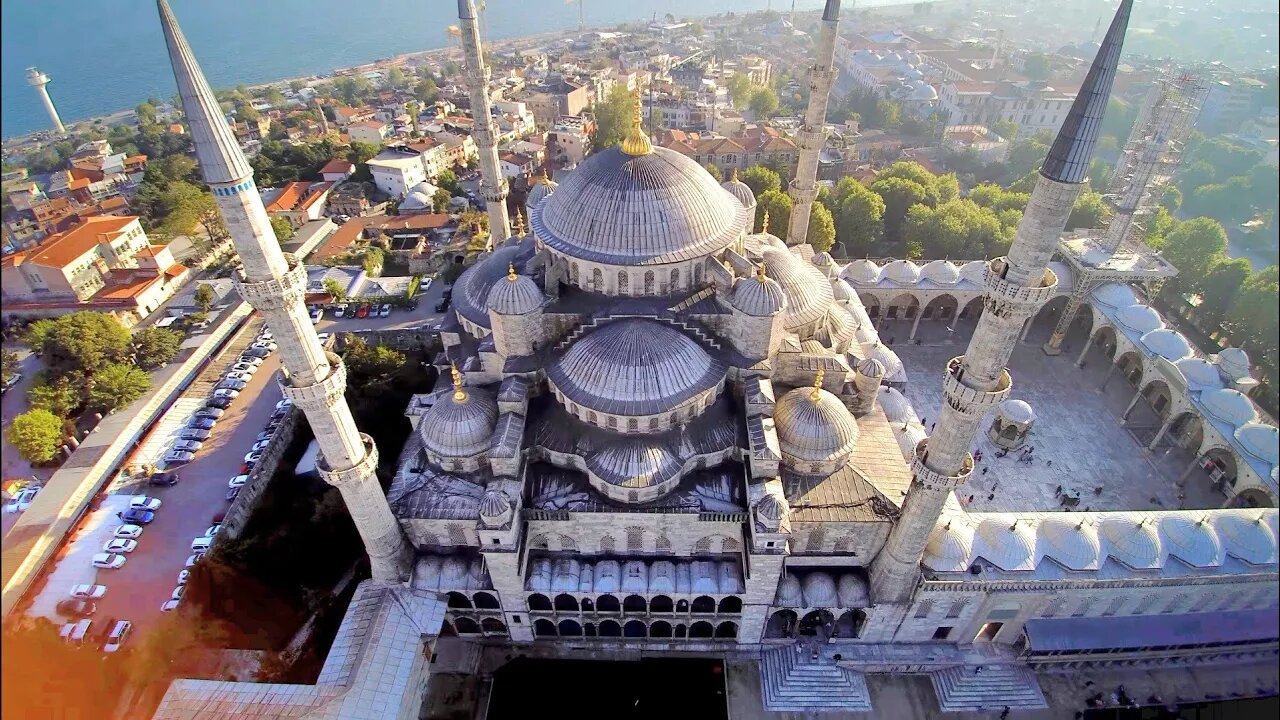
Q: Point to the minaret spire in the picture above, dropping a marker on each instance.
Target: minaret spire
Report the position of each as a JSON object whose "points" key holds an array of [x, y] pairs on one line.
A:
{"points": [[1016, 287], [804, 186], [275, 284], [493, 186]]}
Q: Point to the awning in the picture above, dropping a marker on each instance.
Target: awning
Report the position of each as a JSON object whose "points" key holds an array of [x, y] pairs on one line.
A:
{"points": [[1108, 633]]}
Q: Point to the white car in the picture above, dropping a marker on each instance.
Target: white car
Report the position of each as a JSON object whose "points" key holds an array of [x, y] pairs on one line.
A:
{"points": [[265, 334], [88, 592], [22, 500], [184, 576], [231, 383], [108, 561], [118, 635], [268, 345], [213, 530], [284, 404], [384, 311], [244, 368], [120, 545], [317, 315], [194, 434], [260, 446], [249, 360], [169, 606], [325, 337], [201, 544], [238, 481], [142, 502], [239, 375], [177, 457], [226, 393], [128, 532], [188, 445], [177, 592], [252, 457], [193, 559]]}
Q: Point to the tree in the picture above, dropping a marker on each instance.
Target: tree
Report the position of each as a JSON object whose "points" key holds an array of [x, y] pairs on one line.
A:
{"points": [[204, 297], [353, 89], [146, 113], [9, 365], [155, 346], [992, 196], [613, 118], [426, 91], [899, 194], [116, 385], [1089, 212], [440, 200], [1006, 129], [739, 87], [714, 171], [59, 393], [282, 228], [370, 364], [448, 180], [822, 228], [1193, 175], [36, 435], [396, 78], [860, 223], [1220, 287], [1171, 200], [1036, 67], [760, 179], [85, 341], [957, 229], [1193, 247], [275, 98], [778, 207], [1027, 154], [372, 261], [1253, 317], [763, 103], [186, 207], [334, 289]]}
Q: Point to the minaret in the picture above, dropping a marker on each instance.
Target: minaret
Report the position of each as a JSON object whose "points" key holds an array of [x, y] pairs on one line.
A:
{"points": [[39, 80], [492, 185], [274, 284], [804, 187], [1016, 287]]}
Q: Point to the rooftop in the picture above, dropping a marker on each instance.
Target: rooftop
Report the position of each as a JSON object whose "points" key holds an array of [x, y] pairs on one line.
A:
{"points": [[60, 250]]}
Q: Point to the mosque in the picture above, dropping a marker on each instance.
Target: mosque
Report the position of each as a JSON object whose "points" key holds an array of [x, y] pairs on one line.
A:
{"points": [[657, 430]]}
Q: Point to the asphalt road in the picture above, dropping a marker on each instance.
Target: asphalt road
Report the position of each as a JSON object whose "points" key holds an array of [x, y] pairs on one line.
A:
{"points": [[14, 404]]}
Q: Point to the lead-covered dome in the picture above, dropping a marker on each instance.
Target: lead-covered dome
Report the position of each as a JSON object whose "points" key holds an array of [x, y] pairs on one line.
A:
{"points": [[741, 191], [941, 272], [460, 424], [635, 367], [1234, 362], [1141, 319], [540, 190], [514, 295], [1115, 295], [619, 209], [814, 426], [1168, 344], [1229, 406], [807, 290], [1260, 441], [760, 296], [1200, 374], [861, 272], [950, 546]]}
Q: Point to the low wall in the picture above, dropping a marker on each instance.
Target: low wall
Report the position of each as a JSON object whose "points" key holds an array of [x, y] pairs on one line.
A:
{"points": [[242, 507]]}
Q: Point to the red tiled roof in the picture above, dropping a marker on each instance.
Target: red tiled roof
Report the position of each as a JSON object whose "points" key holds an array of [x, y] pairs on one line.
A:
{"points": [[288, 197], [60, 250], [337, 165]]}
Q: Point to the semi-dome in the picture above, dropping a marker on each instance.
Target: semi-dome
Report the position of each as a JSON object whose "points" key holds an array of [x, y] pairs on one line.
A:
{"points": [[852, 591], [808, 293], [1141, 319], [1234, 362], [1229, 406], [1245, 536], [1133, 540], [1017, 411], [1193, 541], [635, 463], [873, 368], [861, 272], [759, 296], [975, 271], [814, 426], [819, 590], [1168, 344], [1071, 543], [1260, 441], [1009, 545], [789, 592], [903, 272], [471, 291], [824, 262], [620, 209], [460, 424], [495, 507], [941, 272], [1200, 374], [771, 509], [950, 546], [880, 351], [741, 191], [841, 292], [516, 295], [634, 367], [1115, 295]]}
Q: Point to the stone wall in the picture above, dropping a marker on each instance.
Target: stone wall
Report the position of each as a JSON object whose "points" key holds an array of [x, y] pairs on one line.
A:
{"points": [[238, 514]]}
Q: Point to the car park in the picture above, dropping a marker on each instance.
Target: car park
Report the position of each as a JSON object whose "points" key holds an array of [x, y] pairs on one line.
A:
{"points": [[238, 481], [88, 592], [22, 500], [119, 633], [76, 607], [178, 457], [228, 393], [120, 545], [128, 532], [268, 345], [209, 413], [201, 544], [108, 561], [219, 402], [203, 422], [168, 479], [194, 434], [188, 445], [143, 502], [137, 517], [384, 311], [193, 559], [261, 445]]}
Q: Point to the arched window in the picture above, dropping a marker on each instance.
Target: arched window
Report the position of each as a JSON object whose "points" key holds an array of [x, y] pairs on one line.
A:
{"points": [[662, 544], [610, 628], [653, 423], [681, 631], [634, 629], [466, 626], [660, 629], [597, 280], [624, 282], [588, 605], [635, 538], [493, 625], [607, 603], [591, 417], [701, 629], [544, 628], [703, 545], [570, 628], [633, 603], [648, 282], [633, 424], [566, 603], [485, 601], [729, 545], [682, 606], [458, 600], [661, 604], [538, 601], [612, 422], [573, 273], [704, 604], [589, 629], [727, 630], [675, 279], [730, 605]]}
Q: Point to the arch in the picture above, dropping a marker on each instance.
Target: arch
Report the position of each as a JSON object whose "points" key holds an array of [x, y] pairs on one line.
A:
{"points": [[538, 601], [1159, 396], [588, 605], [634, 603], [675, 279], [697, 274], [704, 604], [1187, 431], [610, 628], [485, 601], [815, 622], [574, 274], [570, 628], [681, 631], [1049, 312], [781, 624], [972, 309], [466, 626], [589, 629], [1082, 324], [446, 629], [566, 603], [844, 626], [458, 600], [1219, 464], [1104, 338], [871, 303], [624, 282], [701, 629], [607, 603], [660, 629], [903, 306], [727, 630], [606, 541], [731, 605], [634, 629], [941, 307], [543, 627], [1130, 364], [648, 282], [661, 604], [682, 605], [493, 625], [597, 280]]}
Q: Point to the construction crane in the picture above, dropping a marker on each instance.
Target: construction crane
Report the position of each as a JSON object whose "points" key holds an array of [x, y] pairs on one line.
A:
{"points": [[582, 25]]}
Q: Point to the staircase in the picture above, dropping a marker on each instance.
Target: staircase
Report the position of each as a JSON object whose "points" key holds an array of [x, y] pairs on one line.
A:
{"points": [[792, 682], [596, 321], [966, 688]]}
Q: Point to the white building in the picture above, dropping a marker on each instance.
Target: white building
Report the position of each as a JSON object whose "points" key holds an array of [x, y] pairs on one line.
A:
{"points": [[394, 171], [1032, 109]]}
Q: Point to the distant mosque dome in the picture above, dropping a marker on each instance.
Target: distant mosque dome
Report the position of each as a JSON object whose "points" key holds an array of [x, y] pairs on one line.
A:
{"points": [[1234, 362], [1200, 374], [974, 271], [1168, 344], [861, 272]]}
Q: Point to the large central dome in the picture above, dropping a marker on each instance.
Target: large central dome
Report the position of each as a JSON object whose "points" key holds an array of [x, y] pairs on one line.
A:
{"points": [[618, 209]]}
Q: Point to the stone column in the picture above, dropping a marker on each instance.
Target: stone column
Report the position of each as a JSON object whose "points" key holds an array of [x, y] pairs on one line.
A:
{"points": [[1195, 463], [1124, 417], [1088, 343], [915, 324], [1110, 371], [1026, 329], [1164, 428], [1054, 346]]}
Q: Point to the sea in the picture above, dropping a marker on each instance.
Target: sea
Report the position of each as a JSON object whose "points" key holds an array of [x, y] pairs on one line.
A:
{"points": [[104, 56]]}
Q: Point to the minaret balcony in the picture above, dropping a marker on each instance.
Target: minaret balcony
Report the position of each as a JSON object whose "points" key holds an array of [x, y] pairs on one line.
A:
{"points": [[930, 479], [275, 293], [361, 471], [320, 395], [973, 401]]}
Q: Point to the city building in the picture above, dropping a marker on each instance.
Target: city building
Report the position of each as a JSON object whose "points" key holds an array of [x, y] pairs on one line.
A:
{"points": [[1033, 108], [395, 170], [369, 131], [552, 101], [337, 170], [298, 202], [569, 141]]}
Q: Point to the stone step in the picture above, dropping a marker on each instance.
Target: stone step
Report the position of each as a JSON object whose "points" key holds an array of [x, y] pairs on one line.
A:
{"points": [[792, 682], [962, 689]]}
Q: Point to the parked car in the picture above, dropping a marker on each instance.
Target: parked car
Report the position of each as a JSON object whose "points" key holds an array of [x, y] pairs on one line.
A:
{"points": [[75, 633], [317, 315], [128, 532], [203, 422], [239, 375], [76, 607], [218, 402], [178, 592], [442, 305], [212, 530], [201, 544], [225, 392], [193, 559], [22, 500], [244, 368], [284, 404], [339, 310], [231, 383], [137, 517], [268, 345], [238, 481], [88, 592], [325, 338], [266, 434], [119, 633], [265, 334], [194, 434], [120, 545], [178, 457], [108, 561], [363, 311], [233, 494], [169, 606], [253, 456], [166, 479], [183, 576], [255, 352], [260, 445], [187, 445], [143, 502], [246, 359]]}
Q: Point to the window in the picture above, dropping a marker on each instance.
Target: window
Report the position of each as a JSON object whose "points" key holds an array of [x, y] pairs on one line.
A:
{"points": [[943, 632], [956, 608], [924, 608]]}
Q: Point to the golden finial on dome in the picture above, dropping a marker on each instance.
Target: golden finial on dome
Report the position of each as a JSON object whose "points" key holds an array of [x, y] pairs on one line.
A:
{"points": [[458, 393], [764, 223], [817, 385], [520, 226], [733, 174], [760, 272], [637, 142], [511, 272], [541, 178]]}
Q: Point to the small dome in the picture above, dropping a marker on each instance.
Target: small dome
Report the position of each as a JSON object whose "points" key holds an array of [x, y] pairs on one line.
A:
{"points": [[460, 424], [903, 272], [861, 272], [516, 295], [1133, 540], [852, 591], [819, 590], [1229, 406], [1071, 543], [1246, 536], [539, 192], [758, 296], [495, 507], [1200, 374], [941, 272], [1234, 362], [1115, 295], [789, 593], [975, 271], [415, 201], [814, 429], [841, 292], [453, 574], [770, 510], [887, 357], [1141, 319], [741, 191], [1260, 441], [872, 368], [1168, 344], [897, 409], [1007, 544], [950, 546], [1017, 411], [909, 440], [1191, 540], [824, 263]]}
